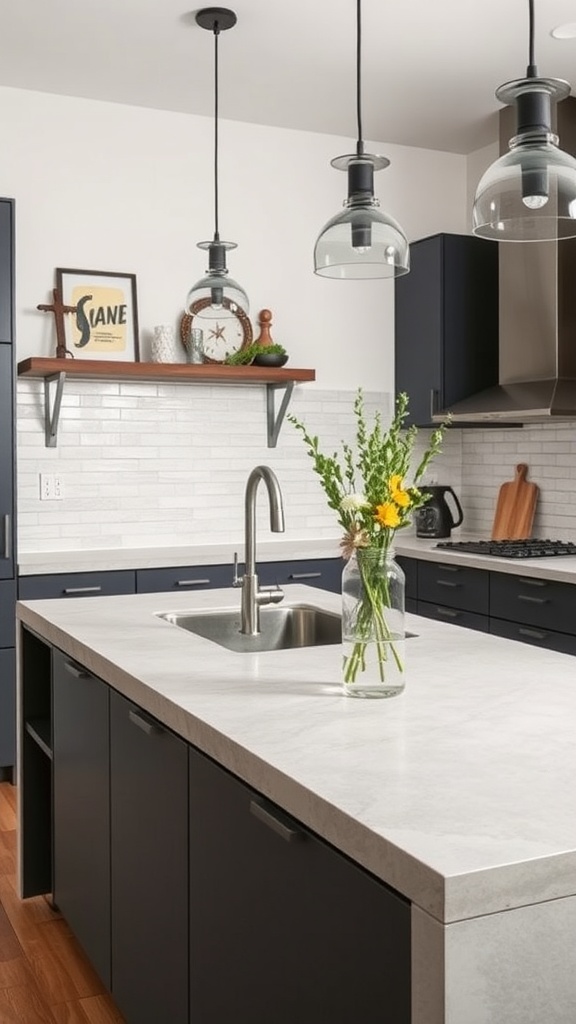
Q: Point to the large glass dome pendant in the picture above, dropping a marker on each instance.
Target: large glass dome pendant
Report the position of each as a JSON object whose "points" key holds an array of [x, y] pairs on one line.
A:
{"points": [[216, 289], [529, 194], [361, 241]]}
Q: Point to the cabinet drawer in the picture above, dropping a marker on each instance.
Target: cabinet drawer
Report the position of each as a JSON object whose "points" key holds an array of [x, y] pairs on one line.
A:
{"points": [[409, 567], [325, 573], [546, 638], [187, 577], [454, 586], [457, 616], [7, 613], [76, 584], [545, 604]]}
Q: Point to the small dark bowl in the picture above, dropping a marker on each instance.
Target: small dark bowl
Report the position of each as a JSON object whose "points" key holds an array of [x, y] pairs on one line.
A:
{"points": [[270, 359]]}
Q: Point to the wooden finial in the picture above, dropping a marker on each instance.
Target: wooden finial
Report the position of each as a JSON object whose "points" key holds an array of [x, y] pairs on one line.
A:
{"points": [[59, 310], [264, 322]]}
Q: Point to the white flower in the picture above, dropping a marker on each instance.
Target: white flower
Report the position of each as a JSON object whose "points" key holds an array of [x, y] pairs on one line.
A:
{"points": [[352, 502]]}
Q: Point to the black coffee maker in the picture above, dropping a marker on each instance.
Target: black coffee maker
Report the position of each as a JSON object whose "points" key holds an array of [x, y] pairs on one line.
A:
{"points": [[436, 518]]}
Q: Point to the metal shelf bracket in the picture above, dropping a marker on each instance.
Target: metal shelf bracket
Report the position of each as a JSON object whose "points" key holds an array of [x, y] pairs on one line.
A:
{"points": [[275, 419], [52, 410]]}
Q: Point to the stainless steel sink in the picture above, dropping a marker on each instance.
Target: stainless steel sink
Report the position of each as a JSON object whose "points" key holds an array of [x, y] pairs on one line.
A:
{"points": [[282, 628]]}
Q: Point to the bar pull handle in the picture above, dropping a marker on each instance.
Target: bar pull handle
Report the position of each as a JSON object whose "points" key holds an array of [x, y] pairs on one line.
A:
{"points": [[192, 583], [74, 670], [532, 600], [275, 820], [144, 723], [82, 590], [305, 575], [449, 613], [447, 583], [7, 536], [534, 633], [533, 583]]}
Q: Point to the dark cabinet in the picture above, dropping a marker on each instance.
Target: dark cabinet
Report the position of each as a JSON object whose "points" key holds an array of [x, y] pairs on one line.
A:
{"points": [[81, 806], [409, 567], [446, 323], [182, 578], [535, 611], [7, 493], [282, 926], [76, 584], [149, 867], [325, 573]]}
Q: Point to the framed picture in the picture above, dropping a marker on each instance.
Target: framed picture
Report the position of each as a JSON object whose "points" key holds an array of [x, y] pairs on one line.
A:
{"points": [[105, 324]]}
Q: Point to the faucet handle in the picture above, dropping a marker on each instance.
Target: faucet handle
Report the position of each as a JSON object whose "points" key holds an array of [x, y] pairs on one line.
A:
{"points": [[270, 595], [237, 580]]}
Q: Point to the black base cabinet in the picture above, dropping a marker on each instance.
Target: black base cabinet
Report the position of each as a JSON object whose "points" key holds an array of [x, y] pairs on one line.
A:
{"points": [[81, 807], [149, 867], [283, 928]]}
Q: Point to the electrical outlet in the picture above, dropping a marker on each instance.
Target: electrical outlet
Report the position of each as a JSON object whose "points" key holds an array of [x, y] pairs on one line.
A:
{"points": [[51, 487]]}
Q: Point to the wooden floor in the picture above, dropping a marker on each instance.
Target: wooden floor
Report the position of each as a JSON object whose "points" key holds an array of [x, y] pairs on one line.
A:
{"points": [[44, 976]]}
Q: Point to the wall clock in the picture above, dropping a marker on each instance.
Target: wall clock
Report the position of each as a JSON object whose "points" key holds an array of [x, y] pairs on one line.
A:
{"points": [[225, 328]]}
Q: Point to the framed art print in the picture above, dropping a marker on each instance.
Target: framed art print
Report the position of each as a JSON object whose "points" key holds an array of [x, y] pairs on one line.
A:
{"points": [[105, 322]]}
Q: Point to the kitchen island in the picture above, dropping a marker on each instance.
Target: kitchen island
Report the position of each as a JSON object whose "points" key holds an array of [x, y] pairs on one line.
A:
{"points": [[458, 795]]}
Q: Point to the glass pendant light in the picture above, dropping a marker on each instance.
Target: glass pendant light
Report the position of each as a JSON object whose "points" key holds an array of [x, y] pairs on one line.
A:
{"points": [[362, 241], [216, 293], [529, 195]]}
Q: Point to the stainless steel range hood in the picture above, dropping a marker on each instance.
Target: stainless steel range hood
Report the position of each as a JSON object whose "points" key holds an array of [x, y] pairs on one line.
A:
{"points": [[537, 301]]}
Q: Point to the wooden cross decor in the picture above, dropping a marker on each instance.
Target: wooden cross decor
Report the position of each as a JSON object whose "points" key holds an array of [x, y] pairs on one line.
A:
{"points": [[59, 309]]}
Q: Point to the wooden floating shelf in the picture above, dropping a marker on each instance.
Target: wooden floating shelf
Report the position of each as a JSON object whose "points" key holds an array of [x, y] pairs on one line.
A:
{"points": [[186, 373], [55, 372]]}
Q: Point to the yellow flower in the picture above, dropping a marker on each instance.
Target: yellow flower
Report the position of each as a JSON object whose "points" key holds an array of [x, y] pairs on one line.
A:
{"points": [[399, 495], [387, 515]]}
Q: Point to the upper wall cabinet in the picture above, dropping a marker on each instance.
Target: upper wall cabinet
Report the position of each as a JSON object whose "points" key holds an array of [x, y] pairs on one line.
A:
{"points": [[6, 270], [446, 335]]}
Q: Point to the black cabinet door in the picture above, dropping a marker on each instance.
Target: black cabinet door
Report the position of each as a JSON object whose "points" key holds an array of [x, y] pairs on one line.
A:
{"points": [[7, 271], [81, 799], [446, 323], [456, 586], [77, 584], [183, 578], [6, 463], [7, 708], [283, 928], [149, 867]]}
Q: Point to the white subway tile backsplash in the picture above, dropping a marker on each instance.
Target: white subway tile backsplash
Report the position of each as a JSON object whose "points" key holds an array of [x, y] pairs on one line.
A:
{"points": [[144, 464]]}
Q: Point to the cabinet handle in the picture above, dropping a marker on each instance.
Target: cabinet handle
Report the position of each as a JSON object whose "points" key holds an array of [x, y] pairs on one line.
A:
{"points": [[450, 568], [534, 633], [447, 583], [191, 583], [433, 402], [448, 612], [147, 726], [532, 582], [78, 673], [275, 820], [305, 575], [532, 600], [82, 590], [7, 537]]}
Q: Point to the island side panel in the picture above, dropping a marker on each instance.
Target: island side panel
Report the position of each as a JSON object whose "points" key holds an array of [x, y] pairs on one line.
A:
{"points": [[517, 967]]}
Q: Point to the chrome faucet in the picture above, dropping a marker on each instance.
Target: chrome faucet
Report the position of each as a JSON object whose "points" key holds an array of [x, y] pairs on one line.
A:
{"points": [[252, 594]]}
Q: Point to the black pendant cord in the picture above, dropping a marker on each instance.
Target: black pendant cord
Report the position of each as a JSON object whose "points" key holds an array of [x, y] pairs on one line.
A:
{"points": [[216, 226], [360, 142], [532, 70]]}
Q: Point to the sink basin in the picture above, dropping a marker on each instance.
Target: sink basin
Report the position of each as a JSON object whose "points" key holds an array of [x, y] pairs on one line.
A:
{"points": [[282, 628]]}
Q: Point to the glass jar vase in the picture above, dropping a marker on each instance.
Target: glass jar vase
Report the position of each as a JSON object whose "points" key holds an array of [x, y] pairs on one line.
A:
{"points": [[373, 624]]}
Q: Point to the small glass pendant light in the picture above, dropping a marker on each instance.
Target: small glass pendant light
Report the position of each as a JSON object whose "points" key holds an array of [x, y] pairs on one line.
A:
{"points": [[529, 194], [216, 290], [362, 241]]}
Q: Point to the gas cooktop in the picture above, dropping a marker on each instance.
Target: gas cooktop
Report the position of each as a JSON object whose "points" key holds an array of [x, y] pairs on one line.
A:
{"points": [[532, 548]]}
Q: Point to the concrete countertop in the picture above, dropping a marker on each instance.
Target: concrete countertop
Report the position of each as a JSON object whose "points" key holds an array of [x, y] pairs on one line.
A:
{"points": [[459, 793]]}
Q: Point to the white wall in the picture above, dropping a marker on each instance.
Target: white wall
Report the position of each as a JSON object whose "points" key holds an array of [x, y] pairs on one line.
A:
{"points": [[104, 186]]}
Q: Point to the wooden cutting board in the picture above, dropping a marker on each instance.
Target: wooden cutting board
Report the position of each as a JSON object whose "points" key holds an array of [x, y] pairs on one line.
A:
{"points": [[515, 507]]}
